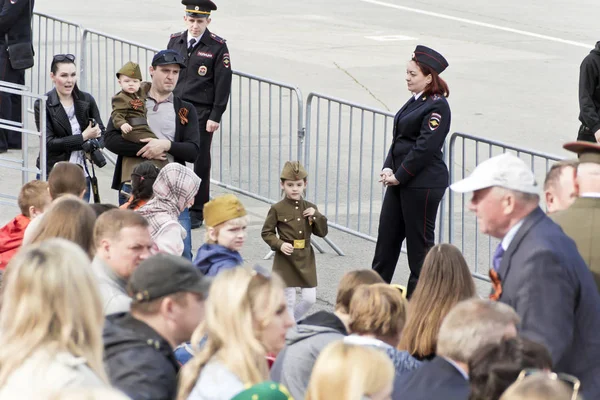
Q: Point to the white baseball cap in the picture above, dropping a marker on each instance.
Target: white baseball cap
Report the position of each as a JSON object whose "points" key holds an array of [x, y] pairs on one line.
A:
{"points": [[506, 170]]}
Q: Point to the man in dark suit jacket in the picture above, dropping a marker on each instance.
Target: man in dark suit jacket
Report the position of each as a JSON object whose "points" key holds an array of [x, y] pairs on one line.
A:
{"points": [[470, 325], [537, 269]]}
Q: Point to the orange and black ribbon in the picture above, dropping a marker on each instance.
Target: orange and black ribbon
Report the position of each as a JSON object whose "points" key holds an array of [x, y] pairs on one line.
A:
{"points": [[183, 112], [136, 104], [496, 285]]}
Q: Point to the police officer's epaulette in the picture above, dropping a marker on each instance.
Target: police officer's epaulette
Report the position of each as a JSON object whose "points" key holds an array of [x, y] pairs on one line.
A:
{"points": [[436, 97], [217, 38], [176, 34]]}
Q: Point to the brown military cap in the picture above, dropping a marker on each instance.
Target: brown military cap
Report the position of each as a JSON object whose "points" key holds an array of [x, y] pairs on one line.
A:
{"points": [[293, 171], [588, 152], [222, 209], [131, 70]]}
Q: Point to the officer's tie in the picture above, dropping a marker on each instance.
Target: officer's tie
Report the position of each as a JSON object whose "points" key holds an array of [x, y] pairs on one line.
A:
{"points": [[192, 42]]}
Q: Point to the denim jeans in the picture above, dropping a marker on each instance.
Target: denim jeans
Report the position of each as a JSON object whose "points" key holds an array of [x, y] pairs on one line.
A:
{"points": [[124, 193], [184, 220]]}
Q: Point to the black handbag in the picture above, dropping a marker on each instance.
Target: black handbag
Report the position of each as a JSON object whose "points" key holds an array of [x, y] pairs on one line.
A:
{"points": [[20, 55]]}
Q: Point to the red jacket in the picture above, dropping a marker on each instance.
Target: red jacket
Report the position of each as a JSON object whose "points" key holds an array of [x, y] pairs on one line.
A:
{"points": [[11, 237]]}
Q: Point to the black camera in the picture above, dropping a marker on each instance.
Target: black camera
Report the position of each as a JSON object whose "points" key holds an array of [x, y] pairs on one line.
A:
{"points": [[92, 147]]}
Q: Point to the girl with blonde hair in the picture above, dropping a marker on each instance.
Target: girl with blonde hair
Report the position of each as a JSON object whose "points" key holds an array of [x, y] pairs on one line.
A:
{"points": [[51, 322], [246, 318], [69, 218], [351, 372], [445, 280]]}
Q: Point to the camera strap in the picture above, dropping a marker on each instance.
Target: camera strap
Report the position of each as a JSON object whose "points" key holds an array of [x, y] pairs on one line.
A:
{"points": [[93, 179]]}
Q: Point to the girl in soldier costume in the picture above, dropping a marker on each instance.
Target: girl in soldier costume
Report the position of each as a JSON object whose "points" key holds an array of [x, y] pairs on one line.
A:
{"points": [[295, 220]]}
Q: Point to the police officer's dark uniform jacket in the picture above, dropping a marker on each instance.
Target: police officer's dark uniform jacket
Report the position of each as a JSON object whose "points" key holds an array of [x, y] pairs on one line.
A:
{"points": [[15, 25], [415, 156], [589, 95], [420, 129], [206, 82]]}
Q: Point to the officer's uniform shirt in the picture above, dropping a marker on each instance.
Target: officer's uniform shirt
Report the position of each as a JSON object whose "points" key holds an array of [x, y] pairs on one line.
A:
{"points": [[206, 82]]}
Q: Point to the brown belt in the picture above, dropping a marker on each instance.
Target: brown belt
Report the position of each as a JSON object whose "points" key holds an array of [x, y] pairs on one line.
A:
{"points": [[137, 121]]}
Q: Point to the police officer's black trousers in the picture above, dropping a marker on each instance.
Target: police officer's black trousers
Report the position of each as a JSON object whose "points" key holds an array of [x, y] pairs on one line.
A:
{"points": [[406, 213], [202, 163], [10, 104]]}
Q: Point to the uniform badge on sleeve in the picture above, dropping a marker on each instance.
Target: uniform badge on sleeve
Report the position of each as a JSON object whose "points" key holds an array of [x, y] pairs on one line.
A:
{"points": [[434, 121], [202, 70], [226, 61]]}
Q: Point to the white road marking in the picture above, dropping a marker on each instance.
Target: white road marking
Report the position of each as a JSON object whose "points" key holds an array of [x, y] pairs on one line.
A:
{"points": [[390, 38], [478, 23]]}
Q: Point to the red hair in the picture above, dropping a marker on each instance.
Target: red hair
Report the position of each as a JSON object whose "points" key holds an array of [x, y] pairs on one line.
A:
{"points": [[437, 85]]}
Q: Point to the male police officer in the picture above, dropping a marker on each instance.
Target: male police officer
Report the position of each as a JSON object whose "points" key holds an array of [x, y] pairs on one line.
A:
{"points": [[15, 27], [206, 83]]}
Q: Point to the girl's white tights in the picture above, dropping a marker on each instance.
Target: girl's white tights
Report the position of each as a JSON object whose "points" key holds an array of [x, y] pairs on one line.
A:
{"points": [[308, 298]]}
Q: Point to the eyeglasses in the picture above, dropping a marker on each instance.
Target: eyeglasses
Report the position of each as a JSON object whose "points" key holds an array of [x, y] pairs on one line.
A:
{"points": [[573, 382], [63, 57], [60, 58]]}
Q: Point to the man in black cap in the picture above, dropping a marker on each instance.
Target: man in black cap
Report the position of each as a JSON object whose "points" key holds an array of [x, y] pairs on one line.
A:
{"points": [[206, 83], [15, 27], [168, 295], [589, 97]]}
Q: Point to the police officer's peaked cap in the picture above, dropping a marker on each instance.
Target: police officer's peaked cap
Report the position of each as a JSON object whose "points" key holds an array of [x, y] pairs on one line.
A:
{"points": [[293, 171], [131, 70], [431, 58], [198, 8], [588, 152]]}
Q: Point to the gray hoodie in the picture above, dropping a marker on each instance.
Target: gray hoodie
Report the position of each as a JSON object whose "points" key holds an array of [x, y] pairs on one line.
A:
{"points": [[304, 343]]}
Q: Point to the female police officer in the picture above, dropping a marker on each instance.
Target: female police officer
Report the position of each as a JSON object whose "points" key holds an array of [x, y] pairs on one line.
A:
{"points": [[414, 171]]}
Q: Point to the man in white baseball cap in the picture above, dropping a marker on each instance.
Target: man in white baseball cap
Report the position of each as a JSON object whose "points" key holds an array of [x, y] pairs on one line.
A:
{"points": [[537, 269]]}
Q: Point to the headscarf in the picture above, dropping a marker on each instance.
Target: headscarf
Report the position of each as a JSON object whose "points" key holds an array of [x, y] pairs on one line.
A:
{"points": [[175, 186]]}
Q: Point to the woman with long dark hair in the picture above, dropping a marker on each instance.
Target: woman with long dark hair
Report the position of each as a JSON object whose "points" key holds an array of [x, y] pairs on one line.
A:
{"points": [[68, 116], [414, 171]]}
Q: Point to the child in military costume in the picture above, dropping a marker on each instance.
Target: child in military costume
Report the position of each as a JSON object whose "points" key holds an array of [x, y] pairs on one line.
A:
{"points": [[295, 220], [226, 223], [129, 111]]}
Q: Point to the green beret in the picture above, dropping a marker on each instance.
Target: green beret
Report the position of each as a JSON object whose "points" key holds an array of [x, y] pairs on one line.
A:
{"points": [[264, 391]]}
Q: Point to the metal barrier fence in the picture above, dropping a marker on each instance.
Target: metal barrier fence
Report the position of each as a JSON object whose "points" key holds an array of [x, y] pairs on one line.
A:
{"points": [[102, 56], [265, 125], [261, 129], [467, 151], [8, 163], [346, 145], [51, 36]]}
